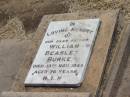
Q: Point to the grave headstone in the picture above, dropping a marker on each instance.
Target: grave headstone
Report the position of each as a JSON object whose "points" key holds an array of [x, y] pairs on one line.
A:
{"points": [[64, 53]]}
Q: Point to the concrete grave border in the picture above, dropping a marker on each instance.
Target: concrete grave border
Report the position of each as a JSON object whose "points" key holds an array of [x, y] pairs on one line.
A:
{"points": [[97, 61]]}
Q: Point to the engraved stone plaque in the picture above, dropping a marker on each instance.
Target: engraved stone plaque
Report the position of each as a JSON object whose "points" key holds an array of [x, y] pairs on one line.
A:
{"points": [[64, 53]]}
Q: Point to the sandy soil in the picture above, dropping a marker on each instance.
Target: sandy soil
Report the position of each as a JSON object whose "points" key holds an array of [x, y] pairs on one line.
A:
{"points": [[31, 11]]}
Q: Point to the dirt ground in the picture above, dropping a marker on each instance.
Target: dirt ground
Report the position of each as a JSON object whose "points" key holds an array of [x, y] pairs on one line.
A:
{"points": [[30, 12], [19, 20]]}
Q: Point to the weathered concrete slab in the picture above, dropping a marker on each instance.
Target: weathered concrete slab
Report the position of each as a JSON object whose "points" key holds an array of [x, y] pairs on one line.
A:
{"points": [[13, 47], [12, 52], [118, 81], [98, 58], [44, 94]]}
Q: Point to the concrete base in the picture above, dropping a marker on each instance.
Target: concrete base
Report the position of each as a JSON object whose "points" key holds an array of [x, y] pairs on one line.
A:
{"points": [[97, 61], [44, 94]]}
